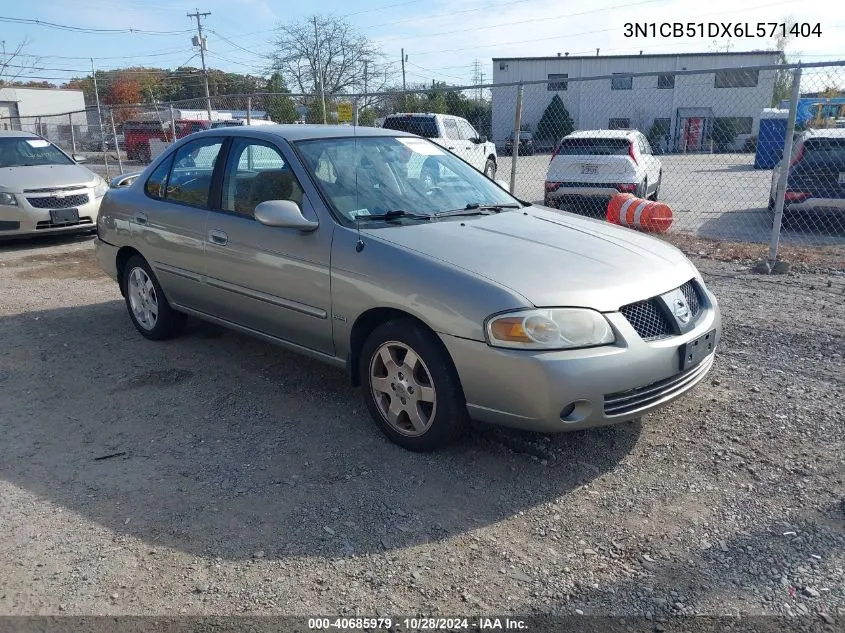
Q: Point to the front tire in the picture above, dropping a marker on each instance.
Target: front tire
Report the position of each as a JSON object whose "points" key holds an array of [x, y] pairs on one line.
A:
{"points": [[148, 308], [411, 387], [490, 169]]}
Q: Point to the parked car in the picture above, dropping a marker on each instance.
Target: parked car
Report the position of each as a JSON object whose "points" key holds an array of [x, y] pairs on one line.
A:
{"points": [[139, 135], [444, 302], [453, 133], [595, 165], [815, 183], [526, 144], [43, 190]]}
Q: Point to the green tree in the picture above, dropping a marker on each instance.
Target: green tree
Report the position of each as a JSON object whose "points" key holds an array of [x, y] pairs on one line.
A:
{"points": [[555, 123], [279, 106], [723, 134], [315, 111], [658, 133]]}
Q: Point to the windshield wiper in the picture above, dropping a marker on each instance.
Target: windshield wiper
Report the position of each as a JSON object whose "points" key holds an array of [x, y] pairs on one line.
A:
{"points": [[476, 208], [394, 214]]}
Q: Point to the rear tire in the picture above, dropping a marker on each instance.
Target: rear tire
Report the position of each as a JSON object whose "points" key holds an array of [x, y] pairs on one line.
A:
{"points": [[642, 189], [411, 387], [653, 197], [148, 308]]}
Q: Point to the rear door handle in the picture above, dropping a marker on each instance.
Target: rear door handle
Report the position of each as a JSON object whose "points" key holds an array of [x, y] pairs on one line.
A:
{"points": [[218, 237], [141, 218]]}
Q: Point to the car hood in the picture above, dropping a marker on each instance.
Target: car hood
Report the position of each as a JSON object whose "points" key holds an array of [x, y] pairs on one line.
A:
{"points": [[18, 179], [551, 258]]}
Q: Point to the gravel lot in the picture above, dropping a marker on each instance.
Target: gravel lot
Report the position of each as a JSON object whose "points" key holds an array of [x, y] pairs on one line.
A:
{"points": [[249, 480]]}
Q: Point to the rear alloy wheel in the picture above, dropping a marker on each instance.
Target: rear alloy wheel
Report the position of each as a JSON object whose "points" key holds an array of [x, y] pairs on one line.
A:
{"points": [[490, 169], [149, 310], [411, 387]]}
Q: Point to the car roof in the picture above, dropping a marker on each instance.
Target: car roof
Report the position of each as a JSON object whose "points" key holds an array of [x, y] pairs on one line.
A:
{"points": [[301, 132], [17, 134], [602, 134], [825, 133]]}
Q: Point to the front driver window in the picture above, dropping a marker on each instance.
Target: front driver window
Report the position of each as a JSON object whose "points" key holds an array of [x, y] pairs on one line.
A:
{"points": [[256, 172], [193, 166]]}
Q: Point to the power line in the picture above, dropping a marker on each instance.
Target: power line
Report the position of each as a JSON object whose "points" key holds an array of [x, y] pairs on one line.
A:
{"points": [[238, 46], [81, 29]]}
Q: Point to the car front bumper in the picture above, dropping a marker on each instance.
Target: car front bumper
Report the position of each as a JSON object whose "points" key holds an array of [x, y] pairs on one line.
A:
{"points": [[25, 220], [576, 389]]}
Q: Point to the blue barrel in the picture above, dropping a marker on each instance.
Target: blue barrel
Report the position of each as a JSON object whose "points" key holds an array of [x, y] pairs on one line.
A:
{"points": [[770, 138]]}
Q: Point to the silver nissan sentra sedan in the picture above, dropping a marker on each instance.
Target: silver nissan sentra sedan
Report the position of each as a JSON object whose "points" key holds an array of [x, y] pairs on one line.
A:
{"points": [[445, 298]]}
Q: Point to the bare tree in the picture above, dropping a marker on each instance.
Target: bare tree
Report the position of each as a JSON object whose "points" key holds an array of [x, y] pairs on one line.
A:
{"points": [[16, 64], [345, 60]]}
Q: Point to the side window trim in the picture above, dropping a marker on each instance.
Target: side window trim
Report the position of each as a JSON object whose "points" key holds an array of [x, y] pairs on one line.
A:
{"points": [[215, 196], [169, 158]]}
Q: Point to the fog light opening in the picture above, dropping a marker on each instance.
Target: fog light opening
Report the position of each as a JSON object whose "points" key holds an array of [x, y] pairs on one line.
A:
{"points": [[567, 411]]}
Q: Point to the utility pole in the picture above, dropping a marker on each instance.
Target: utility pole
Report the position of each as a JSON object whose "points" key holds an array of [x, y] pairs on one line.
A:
{"points": [[100, 119], [320, 70], [403, 69], [199, 40]]}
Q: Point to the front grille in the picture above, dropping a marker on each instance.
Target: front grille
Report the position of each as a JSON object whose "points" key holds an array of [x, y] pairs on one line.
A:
{"points": [[56, 202], [49, 224], [690, 290], [647, 319], [633, 400]]}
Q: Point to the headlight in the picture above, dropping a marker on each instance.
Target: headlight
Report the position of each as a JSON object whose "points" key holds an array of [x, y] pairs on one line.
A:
{"points": [[101, 188], [557, 328], [8, 200]]}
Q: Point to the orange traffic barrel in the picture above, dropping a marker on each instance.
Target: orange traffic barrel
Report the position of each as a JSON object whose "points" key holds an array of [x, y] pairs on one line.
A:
{"points": [[636, 213]]}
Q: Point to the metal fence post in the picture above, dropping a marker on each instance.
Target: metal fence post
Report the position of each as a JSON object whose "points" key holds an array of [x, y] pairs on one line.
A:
{"points": [[249, 110], [172, 123], [116, 144], [780, 193], [517, 121], [72, 135]]}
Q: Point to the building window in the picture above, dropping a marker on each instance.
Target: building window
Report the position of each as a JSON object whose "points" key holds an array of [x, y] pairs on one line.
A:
{"points": [[737, 78], [739, 124], [666, 81], [619, 124], [503, 66], [557, 82], [622, 82]]}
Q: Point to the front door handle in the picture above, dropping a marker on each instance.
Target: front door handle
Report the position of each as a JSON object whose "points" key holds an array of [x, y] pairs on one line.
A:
{"points": [[218, 237], [141, 218]]}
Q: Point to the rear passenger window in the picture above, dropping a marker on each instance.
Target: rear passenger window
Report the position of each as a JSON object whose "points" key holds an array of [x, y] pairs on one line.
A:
{"points": [[156, 185], [190, 177], [451, 129]]}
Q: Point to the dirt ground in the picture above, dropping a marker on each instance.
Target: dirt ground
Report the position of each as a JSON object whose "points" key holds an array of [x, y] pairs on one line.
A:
{"points": [[216, 474]]}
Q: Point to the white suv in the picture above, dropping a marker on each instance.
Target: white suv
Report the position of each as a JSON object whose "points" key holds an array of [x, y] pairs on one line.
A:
{"points": [[453, 133], [598, 164]]}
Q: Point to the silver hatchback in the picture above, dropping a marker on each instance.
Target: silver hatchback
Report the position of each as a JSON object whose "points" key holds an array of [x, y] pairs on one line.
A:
{"points": [[445, 300]]}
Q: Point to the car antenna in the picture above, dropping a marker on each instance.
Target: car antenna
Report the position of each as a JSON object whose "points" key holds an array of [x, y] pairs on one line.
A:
{"points": [[359, 245]]}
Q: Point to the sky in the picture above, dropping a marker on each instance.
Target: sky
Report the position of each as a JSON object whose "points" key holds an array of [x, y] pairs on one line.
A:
{"points": [[441, 38]]}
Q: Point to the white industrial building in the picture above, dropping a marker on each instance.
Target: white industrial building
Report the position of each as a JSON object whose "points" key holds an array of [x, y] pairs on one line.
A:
{"points": [[687, 104], [22, 105]]}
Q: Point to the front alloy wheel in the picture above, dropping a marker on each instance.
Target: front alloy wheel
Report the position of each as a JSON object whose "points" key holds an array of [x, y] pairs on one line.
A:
{"points": [[403, 388]]}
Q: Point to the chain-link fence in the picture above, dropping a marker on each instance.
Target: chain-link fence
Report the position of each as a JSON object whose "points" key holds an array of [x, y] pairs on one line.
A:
{"points": [[706, 146]]}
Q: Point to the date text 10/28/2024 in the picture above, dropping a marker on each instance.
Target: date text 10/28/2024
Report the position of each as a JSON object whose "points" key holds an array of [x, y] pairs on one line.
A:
{"points": [[722, 29], [417, 624]]}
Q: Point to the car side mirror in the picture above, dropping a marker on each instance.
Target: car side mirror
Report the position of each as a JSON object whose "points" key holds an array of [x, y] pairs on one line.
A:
{"points": [[480, 139], [124, 180], [284, 214], [79, 158]]}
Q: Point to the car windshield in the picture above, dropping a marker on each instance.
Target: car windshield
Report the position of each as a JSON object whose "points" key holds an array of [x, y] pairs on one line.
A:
{"points": [[593, 147], [419, 125], [26, 152], [372, 176]]}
